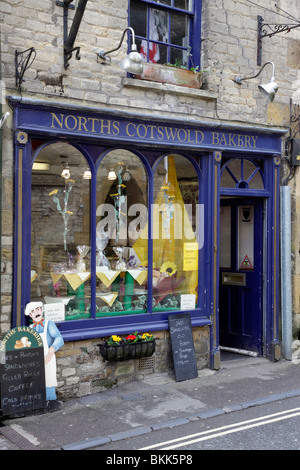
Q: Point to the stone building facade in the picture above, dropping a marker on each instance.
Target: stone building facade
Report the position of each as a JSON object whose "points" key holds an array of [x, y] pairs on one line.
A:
{"points": [[227, 45]]}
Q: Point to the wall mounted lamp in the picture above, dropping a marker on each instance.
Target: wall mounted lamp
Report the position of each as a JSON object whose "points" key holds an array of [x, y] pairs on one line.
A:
{"points": [[112, 175], [87, 175], [269, 89], [41, 166], [132, 63], [66, 171]]}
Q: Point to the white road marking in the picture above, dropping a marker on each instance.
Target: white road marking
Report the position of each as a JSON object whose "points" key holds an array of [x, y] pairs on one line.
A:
{"points": [[223, 430]]}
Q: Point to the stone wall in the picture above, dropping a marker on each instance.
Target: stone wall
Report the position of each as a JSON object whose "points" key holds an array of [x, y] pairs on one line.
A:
{"points": [[81, 370]]}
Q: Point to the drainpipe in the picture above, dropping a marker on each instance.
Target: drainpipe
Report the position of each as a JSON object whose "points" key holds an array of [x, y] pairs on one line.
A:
{"points": [[0, 166], [286, 277]]}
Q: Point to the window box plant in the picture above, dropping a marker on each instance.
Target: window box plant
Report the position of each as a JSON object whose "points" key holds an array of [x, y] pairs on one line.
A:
{"points": [[173, 74], [133, 346]]}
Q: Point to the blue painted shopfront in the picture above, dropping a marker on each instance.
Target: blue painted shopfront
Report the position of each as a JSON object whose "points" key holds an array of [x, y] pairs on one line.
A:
{"points": [[209, 149]]}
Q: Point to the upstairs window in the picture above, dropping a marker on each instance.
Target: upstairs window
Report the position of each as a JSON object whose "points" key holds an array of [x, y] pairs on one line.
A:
{"points": [[167, 31]]}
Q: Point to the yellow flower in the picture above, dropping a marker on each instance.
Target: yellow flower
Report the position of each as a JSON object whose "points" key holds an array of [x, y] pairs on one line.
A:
{"points": [[55, 191], [116, 338], [69, 212], [169, 268]]}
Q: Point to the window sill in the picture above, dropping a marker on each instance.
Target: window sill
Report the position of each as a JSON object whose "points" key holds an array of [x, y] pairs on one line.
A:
{"points": [[78, 331], [169, 88]]}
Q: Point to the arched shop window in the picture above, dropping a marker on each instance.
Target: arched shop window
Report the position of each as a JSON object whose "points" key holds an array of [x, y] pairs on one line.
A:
{"points": [[92, 237], [175, 245], [242, 174], [60, 229], [121, 219]]}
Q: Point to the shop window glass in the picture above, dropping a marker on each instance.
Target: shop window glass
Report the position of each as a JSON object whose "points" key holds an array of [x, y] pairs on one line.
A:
{"points": [[121, 218], [242, 174], [225, 238], [174, 240], [60, 231], [165, 34]]}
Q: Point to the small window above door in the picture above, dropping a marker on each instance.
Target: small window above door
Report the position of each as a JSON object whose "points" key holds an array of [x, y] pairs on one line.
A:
{"points": [[241, 173]]}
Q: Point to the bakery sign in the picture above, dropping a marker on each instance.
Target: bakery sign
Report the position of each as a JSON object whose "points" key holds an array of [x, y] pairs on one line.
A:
{"points": [[22, 372], [120, 128]]}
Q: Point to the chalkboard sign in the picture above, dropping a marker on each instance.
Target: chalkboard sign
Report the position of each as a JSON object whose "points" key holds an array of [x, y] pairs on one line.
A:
{"points": [[183, 350], [22, 372]]}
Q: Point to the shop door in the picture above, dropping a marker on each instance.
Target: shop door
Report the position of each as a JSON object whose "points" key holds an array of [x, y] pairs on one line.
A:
{"points": [[240, 301]]}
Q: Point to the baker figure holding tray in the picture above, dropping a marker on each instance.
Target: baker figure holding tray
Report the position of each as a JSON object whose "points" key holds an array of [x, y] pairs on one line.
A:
{"points": [[52, 341]]}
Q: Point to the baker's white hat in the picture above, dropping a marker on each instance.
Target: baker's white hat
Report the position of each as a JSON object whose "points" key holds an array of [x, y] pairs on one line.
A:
{"points": [[31, 306]]}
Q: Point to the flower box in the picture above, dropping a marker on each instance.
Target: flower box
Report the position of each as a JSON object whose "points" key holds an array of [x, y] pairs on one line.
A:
{"points": [[127, 351], [124, 352], [168, 74]]}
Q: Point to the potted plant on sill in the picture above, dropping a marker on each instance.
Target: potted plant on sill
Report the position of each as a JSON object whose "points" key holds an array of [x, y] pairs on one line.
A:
{"points": [[167, 73], [176, 74], [133, 346]]}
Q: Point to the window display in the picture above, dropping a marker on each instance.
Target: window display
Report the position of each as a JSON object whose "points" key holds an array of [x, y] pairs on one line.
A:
{"points": [[76, 280], [121, 215], [174, 243], [60, 235]]}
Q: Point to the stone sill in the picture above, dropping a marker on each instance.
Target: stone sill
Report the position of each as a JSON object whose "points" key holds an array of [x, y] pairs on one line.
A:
{"points": [[169, 88]]}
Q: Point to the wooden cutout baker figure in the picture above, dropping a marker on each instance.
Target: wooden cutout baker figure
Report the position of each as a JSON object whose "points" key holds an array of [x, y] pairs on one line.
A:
{"points": [[52, 341]]}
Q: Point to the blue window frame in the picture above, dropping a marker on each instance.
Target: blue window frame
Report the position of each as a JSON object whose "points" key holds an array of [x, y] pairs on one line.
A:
{"points": [[54, 240], [167, 31]]}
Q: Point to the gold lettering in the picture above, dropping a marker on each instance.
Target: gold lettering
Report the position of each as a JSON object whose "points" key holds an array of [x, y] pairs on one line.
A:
{"points": [[160, 132], [247, 141], [231, 140], [184, 133], [240, 141], [105, 125], [127, 129], [215, 138], [223, 140], [254, 139], [189, 137], [170, 132], [201, 138], [151, 133], [116, 127], [138, 130], [75, 122], [80, 119], [93, 123], [59, 122]]}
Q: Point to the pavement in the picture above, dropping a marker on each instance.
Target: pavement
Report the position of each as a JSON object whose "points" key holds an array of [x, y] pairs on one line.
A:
{"points": [[156, 402]]}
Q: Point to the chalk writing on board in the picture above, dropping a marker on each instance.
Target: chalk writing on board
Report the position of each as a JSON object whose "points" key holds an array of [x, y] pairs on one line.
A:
{"points": [[22, 385], [184, 357]]}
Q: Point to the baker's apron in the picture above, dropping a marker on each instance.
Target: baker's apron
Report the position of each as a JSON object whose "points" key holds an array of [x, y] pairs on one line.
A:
{"points": [[50, 368]]}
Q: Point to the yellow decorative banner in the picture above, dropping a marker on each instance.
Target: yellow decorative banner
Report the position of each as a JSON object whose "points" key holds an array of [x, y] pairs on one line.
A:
{"points": [[138, 275], [108, 298], [107, 277], [74, 279]]}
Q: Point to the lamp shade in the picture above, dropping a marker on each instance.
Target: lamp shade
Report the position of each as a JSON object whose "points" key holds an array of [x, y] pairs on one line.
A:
{"points": [[112, 175], [269, 89], [132, 63]]}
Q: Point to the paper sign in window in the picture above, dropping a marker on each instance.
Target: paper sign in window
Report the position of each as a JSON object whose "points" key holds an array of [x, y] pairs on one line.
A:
{"points": [[190, 256]]}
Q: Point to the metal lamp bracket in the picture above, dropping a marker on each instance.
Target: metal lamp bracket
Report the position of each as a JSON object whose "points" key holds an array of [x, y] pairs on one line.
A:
{"points": [[268, 30], [69, 38], [23, 60]]}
